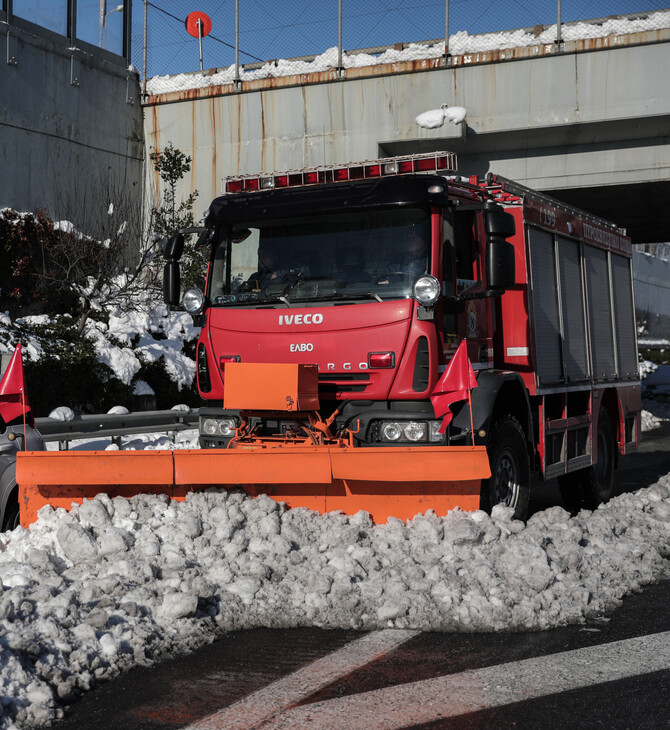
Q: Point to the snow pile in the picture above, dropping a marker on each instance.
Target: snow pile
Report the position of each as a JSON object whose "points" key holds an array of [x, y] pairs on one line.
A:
{"points": [[646, 367], [436, 117], [650, 421], [654, 414], [62, 413], [459, 43], [118, 583]]}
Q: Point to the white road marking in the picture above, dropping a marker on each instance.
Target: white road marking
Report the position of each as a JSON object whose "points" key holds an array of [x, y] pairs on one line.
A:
{"points": [[260, 706], [480, 689]]}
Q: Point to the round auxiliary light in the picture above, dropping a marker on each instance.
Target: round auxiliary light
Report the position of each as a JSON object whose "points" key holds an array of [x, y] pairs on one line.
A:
{"points": [[426, 290], [415, 431], [391, 431], [227, 426], [194, 300], [209, 427]]}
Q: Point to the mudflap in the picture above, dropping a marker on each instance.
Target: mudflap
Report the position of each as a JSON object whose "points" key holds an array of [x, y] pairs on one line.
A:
{"points": [[396, 482]]}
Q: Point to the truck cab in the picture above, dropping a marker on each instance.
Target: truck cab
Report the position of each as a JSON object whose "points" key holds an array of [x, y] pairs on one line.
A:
{"points": [[374, 280]]}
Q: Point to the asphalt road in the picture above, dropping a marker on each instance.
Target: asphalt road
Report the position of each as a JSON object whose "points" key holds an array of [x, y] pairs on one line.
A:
{"points": [[522, 680], [610, 673]]}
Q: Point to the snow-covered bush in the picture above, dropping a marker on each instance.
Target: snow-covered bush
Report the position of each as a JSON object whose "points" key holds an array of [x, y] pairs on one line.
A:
{"points": [[121, 354]]}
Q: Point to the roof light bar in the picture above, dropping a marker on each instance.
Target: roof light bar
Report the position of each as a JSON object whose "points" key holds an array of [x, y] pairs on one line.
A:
{"points": [[430, 162]]}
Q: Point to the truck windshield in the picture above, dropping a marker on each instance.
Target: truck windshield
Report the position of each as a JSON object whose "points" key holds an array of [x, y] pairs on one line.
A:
{"points": [[376, 254]]}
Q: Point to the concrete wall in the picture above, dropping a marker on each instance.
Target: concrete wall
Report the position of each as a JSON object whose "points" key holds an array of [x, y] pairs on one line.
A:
{"points": [[70, 127], [594, 118]]}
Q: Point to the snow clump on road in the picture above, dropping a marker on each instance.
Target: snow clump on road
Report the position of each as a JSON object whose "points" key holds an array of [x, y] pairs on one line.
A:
{"points": [[118, 583]]}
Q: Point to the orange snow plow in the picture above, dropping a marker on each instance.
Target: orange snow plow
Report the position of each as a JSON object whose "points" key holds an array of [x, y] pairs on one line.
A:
{"points": [[306, 466]]}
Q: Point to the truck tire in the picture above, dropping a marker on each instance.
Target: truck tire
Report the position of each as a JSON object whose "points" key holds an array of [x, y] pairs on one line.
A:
{"points": [[9, 493], [11, 518], [510, 468], [587, 488]]}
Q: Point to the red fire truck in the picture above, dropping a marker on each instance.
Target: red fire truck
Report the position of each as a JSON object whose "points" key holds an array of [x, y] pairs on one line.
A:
{"points": [[369, 276]]}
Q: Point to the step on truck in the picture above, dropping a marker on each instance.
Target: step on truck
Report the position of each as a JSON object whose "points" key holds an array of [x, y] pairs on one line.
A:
{"points": [[336, 305]]}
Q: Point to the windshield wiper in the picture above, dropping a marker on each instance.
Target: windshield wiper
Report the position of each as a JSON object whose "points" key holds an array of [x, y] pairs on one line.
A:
{"points": [[355, 295]]}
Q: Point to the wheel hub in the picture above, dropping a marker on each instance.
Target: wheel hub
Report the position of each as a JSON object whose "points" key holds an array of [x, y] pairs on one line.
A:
{"points": [[506, 481]]}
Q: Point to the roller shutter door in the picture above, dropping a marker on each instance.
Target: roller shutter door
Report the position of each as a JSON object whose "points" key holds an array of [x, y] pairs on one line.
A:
{"points": [[623, 317], [575, 351], [545, 308], [600, 316]]}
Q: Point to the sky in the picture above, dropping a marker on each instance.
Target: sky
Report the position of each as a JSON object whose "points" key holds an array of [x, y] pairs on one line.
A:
{"points": [[293, 28]]}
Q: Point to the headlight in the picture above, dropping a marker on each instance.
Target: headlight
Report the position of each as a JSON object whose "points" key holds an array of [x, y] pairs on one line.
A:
{"points": [[194, 300], [209, 427], [218, 427], [427, 290], [404, 431], [391, 431], [415, 431]]}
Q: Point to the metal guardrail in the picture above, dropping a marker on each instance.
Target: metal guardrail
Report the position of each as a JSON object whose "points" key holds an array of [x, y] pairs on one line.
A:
{"points": [[115, 425]]}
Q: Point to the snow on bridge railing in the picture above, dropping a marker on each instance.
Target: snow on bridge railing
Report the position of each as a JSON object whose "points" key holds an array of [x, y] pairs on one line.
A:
{"points": [[458, 44]]}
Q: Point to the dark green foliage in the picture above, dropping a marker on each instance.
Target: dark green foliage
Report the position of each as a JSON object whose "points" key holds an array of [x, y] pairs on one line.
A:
{"points": [[167, 393], [69, 372], [28, 243]]}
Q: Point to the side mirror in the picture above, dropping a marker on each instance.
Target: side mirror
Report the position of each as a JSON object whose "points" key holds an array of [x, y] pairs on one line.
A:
{"points": [[171, 283], [174, 248], [500, 257]]}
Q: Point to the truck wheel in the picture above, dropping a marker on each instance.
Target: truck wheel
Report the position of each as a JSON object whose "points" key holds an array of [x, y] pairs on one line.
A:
{"points": [[587, 488], [510, 468], [11, 517]]}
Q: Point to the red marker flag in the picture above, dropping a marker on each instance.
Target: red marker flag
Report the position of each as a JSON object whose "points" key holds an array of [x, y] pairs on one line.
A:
{"points": [[454, 385], [13, 398]]}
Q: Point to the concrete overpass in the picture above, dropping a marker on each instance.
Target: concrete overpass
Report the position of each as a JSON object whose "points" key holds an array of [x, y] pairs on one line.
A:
{"points": [[588, 121]]}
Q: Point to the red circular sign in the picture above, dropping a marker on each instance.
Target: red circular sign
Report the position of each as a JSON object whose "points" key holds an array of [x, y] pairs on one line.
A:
{"points": [[192, 21]]}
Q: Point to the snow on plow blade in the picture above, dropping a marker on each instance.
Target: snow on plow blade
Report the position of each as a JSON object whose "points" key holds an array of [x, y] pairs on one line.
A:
{"points": [[387, 482]]}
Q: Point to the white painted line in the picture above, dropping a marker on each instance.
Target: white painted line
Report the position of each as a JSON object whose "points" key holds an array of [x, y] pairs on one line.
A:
{"points": [[282, 694], [480, 689]]}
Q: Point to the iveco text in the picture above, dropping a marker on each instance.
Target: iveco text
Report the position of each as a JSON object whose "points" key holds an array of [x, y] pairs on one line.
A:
{"points": [[316, 318]]}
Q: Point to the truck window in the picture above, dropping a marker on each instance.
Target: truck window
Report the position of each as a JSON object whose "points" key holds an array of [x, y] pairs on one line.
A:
{"points": [[449, 272], [363, 254], [465, 250]]}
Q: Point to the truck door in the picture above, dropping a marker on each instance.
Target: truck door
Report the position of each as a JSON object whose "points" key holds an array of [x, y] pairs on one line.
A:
{"points": [[463, 273]]}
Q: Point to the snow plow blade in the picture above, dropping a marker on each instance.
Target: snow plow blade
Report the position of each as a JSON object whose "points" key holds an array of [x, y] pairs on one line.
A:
{"points": [[396, 482]]}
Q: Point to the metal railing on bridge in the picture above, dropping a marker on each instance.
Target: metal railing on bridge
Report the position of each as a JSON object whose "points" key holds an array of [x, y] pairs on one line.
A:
{"points": [[115, 425]]}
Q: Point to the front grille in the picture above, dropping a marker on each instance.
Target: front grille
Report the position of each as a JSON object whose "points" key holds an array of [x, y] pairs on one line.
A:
{"points": [[421, 366]]}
